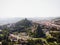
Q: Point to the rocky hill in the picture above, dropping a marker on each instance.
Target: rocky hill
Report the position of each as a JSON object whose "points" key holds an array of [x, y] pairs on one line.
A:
{"points": [[21, 25]]}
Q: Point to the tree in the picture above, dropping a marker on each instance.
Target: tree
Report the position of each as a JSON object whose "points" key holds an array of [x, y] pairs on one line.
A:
{"points": [[39, 32]]}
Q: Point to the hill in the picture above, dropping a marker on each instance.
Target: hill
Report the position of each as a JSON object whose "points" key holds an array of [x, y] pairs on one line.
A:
{"points": [[19, 26]]}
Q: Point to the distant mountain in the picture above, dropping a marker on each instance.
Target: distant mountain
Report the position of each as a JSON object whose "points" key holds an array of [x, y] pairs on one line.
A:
{"points": [[24, 22], [20, 25], [9, 20], [40, 18], [16, 19]]}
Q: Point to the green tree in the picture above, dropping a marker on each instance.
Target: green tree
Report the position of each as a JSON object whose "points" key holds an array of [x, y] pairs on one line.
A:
{"points": [[39, 32]]}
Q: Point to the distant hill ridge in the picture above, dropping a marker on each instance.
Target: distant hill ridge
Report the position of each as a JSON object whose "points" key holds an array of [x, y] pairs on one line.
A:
{"points": [[18, 26]]}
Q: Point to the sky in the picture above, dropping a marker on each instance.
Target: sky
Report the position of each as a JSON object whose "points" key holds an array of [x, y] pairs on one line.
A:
{"points": [[29, 8]]}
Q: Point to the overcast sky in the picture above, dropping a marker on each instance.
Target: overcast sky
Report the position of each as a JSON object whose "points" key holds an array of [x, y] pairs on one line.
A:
{"points": [[29, 8]]}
